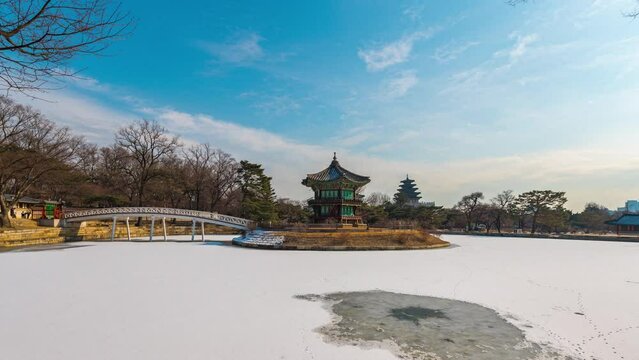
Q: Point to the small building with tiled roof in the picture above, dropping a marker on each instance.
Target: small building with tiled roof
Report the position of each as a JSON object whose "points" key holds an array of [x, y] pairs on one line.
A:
{"points": [[31, 208], [336, 195], [627, 224]]}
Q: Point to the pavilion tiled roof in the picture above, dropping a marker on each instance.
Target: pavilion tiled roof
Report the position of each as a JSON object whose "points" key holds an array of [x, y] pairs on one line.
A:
{"points": [[29, 200], [626, 219], [335, 172]]}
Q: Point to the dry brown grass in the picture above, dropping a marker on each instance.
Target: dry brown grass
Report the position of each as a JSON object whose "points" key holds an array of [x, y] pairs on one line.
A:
{"points": [[21, 224], [387, 239]]}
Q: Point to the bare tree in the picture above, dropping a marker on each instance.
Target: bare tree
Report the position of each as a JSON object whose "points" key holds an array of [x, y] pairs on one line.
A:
{"points": [[502, 203], [31, 148], [377, 199], [38, 37], [115, 172], [486, 214], [170, 189], [198, 167], [632, 13], [468, 206], [145, 144], [223, 180]]}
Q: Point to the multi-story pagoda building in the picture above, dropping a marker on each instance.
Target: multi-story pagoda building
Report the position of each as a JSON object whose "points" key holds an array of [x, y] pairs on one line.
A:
{"points": [[407, 193], [336, 194]]}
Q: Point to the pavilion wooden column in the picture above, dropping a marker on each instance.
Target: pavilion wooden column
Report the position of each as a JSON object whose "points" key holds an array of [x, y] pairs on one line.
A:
{"points": [[202, 223], [193, 230]]}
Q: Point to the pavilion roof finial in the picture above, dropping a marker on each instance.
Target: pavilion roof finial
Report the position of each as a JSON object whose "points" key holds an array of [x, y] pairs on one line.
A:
{"points": [[334, 156]]}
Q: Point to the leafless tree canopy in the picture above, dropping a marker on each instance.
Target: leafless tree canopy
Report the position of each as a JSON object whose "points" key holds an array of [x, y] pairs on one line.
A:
{"points": [[144, 145], [377, 199], [31, 148], [38, 37]]}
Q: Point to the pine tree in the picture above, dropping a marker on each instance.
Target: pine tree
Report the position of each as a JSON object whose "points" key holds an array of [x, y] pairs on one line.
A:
{"points": [[258, 197]]}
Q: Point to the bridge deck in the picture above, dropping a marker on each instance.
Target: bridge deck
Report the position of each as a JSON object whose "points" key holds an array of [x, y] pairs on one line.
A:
{"points": [[158, 212]]}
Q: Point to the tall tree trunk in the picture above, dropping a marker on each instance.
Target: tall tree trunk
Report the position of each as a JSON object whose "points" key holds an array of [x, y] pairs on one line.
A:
{"points": [[5, 211], [534, 224], [140, 194]]}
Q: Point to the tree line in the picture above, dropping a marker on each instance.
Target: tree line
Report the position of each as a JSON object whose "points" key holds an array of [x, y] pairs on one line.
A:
{"points": [[144, 166], [532, 211]]}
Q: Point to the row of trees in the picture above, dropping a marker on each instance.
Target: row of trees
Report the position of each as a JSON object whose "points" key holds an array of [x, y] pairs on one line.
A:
{"points": [[539, 208], [145, 166], [533, 211]]}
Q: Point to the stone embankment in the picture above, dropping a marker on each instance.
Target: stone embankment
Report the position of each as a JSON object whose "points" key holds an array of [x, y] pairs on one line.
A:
{"points": [[94, 231]]}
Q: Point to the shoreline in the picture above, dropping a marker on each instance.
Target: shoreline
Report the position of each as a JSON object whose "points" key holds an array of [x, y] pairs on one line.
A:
{"points": [[586, 237]]}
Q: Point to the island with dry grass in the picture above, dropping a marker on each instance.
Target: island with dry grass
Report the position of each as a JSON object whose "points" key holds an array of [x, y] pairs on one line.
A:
{"points": [[383, 239], [371, 239]]}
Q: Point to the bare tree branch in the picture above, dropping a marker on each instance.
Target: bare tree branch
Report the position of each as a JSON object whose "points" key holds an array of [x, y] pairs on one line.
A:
{"points": [[146, 144], [39, 37]]}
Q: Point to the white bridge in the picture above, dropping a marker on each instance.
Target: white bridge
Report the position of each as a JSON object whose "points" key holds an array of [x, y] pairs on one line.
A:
{"points": [[125, 213]]}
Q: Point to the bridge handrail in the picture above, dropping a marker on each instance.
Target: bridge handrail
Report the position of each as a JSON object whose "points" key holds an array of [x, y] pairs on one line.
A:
{"points": [[169, 212]]}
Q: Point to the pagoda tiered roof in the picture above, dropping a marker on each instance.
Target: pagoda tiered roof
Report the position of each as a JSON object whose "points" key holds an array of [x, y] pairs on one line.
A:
{"points": [[408, 191], [335, 172]]}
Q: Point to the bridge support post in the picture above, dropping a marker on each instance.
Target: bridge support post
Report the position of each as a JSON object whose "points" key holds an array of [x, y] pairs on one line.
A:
{"points": [[113, 228], [164, 227], [152, 228], [202, 223], [193, 230], [128, 229]]}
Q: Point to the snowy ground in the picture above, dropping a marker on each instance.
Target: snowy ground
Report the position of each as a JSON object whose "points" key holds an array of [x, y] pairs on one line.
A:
{"points": [[193, 301]]}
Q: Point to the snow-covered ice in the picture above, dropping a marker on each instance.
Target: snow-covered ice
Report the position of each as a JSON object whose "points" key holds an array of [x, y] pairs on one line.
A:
{"points": [[171, 300]]}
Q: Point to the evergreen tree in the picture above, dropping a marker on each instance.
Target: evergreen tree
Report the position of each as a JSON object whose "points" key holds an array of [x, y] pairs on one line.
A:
{"points": [[258, 197], [538, 203]]}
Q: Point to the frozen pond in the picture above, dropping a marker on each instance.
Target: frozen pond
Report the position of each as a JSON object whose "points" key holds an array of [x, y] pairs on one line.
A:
{"points": [[181, 300]]}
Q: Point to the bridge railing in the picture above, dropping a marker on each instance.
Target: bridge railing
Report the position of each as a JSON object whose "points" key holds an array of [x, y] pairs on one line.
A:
{"points": [[107, 213]]}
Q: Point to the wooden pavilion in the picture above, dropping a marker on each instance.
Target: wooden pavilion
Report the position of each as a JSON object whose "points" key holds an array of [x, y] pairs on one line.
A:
{"points": [[336, 194]]}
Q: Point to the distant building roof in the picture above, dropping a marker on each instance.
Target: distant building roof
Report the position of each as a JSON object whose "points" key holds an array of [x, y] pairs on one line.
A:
{"points": [[29, 200], [626, 219], [335, 172]]}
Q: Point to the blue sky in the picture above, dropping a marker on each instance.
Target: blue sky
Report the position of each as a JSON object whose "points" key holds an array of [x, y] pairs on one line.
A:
{"points": [[461, 95]]}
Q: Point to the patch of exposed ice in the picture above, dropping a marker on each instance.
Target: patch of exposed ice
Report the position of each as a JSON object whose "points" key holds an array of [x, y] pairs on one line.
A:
{"points": [[426, 328]]}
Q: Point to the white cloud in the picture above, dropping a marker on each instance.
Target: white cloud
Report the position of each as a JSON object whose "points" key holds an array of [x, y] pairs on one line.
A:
{"points": [[277, 105], [521, 45], [452, 51], [400, 85], [393, 53], [241, 48], [466, 80], [86, 117], [414, 12]]}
